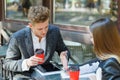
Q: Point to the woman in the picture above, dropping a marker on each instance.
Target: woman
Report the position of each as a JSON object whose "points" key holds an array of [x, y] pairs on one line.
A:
{"points": [[106, 40]]}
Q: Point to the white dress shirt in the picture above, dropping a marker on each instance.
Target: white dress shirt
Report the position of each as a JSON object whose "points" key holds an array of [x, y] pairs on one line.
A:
{"points": [[36, 45]]}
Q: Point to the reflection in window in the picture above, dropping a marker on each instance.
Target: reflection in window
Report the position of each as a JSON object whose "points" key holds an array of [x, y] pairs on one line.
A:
{"points": [[80, 12], [18, 9]]}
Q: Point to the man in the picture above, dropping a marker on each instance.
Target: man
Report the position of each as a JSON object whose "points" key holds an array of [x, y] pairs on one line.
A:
{"points": [[20, 57]]}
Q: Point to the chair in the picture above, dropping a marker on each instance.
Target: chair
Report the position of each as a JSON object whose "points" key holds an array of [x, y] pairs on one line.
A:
{"points": [[6, 74], [5, 36], [6, 30]]}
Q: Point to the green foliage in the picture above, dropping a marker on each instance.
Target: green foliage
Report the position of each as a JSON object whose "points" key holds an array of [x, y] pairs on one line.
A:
{"points": [[114, 9]]}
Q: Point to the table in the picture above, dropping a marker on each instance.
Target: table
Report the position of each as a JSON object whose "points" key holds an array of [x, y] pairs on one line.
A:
{"points": [[56, 75]]}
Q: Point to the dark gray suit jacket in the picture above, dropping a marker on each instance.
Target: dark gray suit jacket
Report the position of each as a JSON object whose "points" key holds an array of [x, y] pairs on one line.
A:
{"points": [[21, 47]]}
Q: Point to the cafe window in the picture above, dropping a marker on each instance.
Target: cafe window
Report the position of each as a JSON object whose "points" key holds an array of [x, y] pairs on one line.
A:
{"points": [[81, 12], [18, 9]]}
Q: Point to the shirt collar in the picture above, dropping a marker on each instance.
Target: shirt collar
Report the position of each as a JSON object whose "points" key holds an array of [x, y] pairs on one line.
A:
{"points": [[36, 38]]}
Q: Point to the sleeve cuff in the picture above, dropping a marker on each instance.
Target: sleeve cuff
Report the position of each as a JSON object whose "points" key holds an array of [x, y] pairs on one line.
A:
{"points": [[24, 66]]}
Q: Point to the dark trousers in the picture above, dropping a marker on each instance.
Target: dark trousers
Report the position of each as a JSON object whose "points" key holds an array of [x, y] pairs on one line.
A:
{"points": [[26, 75], [21, 77]]}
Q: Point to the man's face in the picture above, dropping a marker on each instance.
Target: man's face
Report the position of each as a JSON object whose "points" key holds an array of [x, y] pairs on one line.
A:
{"points": [[40, 29]]}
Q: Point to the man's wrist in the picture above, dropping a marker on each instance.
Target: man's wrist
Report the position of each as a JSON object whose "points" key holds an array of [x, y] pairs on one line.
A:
{"points": [[25, 66], [66, 69], [27, 63]]}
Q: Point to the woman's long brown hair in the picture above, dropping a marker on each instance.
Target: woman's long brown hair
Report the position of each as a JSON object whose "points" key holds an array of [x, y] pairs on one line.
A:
{"points": [[106, 38]]}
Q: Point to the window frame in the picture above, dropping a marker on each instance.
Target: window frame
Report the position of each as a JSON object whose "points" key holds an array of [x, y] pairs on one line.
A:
{"points": [[49, 4], [2, 16], [75, 28]]}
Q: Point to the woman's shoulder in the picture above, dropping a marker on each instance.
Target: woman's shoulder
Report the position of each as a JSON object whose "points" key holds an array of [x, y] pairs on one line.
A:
{"points": [[110, 69], [109, 62]]}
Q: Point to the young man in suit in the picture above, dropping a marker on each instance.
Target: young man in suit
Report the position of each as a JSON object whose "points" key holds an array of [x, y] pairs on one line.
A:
{"points": [[20, 57]]}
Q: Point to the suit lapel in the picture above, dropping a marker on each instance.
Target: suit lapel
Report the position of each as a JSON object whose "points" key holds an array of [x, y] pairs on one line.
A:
{"points": [[29, 43], [48, 45]]}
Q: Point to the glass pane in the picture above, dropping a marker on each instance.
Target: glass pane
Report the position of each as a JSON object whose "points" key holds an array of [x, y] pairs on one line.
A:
{"points": [[18, 9], [80, 53], [80, 12]]}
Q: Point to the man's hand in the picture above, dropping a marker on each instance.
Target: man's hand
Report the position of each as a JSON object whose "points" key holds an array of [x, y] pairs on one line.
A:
{"points": [[33, 61]]}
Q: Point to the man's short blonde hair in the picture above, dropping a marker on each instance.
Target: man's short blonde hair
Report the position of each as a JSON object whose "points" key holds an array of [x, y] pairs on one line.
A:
{"points": [[38, 14]]}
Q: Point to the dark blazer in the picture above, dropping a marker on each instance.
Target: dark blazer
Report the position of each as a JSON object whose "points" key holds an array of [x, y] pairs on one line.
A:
{"points": [[110, 69], [21, 47]]}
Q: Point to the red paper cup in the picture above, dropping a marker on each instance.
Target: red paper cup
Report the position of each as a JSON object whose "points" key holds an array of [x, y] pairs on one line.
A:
{"points": [[74, 75], [40, 56], [40, 53], [74, 72]]}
